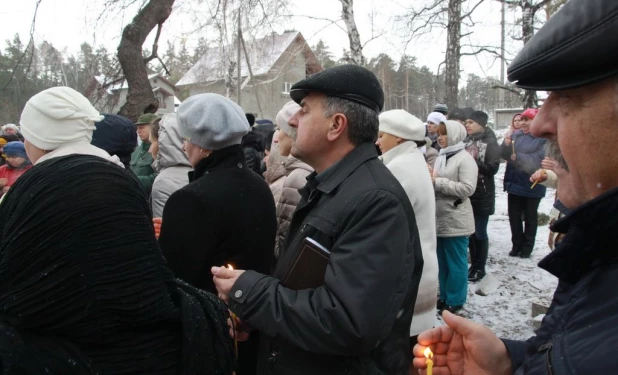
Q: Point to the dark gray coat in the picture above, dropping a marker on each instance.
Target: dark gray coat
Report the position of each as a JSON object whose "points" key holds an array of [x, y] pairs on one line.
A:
{"points": [[358, 322], [579, 334]]}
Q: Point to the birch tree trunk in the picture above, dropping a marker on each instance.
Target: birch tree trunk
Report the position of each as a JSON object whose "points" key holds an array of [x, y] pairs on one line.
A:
{"points": [[356, 48], [453, 53], [140, 98]]}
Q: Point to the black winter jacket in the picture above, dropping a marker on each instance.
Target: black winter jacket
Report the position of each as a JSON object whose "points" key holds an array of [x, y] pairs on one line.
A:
{"points": [[579, 334], [485, 150], [225, 215], [358, 322], [253, 148]]}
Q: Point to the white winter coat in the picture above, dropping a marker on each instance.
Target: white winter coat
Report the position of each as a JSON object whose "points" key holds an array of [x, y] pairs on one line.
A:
{"points": [[407, 163], [454, 216], [171, 164]]}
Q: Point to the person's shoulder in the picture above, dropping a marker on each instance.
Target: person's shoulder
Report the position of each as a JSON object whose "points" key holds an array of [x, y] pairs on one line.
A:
{"points": [[374, 179]]}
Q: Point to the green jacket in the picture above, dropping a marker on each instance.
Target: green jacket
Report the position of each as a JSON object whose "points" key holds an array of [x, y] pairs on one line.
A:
{"points": [[141, 165]]}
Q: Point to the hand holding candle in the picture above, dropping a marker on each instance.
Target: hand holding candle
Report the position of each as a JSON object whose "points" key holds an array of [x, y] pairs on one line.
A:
{"points": [[543, 172]]}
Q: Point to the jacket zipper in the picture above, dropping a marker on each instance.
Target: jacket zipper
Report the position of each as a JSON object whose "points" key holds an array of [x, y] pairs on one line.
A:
{"points": [[549, 363]]}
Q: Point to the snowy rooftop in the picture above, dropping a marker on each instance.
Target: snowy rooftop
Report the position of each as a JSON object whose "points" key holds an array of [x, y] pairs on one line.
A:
{"points": [[124, 85], [263, 54]]}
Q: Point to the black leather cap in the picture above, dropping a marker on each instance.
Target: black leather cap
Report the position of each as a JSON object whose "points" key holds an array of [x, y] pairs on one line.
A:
{"points": [[576, 47], [350, 82]]}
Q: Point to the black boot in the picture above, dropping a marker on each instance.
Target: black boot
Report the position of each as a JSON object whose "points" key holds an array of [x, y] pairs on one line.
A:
{"points": [[482, 249], [472, 248], [473, 255]]}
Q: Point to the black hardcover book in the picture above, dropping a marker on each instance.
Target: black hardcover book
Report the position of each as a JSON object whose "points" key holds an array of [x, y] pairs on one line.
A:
{"points": [[308, 267]]}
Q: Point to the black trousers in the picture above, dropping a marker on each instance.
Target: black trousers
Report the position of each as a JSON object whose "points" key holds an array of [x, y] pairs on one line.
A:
{"points": [[523, 238]]}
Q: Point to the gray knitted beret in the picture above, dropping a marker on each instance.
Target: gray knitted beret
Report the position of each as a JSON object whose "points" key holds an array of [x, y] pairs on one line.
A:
{"points": [[212, 121]]}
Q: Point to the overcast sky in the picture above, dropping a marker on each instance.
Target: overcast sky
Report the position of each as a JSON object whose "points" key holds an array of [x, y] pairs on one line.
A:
{"points": [[67, 23]]}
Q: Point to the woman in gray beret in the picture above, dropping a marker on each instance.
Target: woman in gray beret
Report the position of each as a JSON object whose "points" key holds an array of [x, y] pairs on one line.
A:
{"points": [[226, 215]]}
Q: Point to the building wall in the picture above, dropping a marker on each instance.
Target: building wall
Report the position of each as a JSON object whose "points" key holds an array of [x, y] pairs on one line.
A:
{"points": [[504, 117], [272, 89], [166, 103]]}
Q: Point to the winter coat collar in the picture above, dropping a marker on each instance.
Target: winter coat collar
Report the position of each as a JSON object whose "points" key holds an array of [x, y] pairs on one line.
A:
{"points": [[80, 148], [291, 163], [336, 174], [274, 168], [228, 157], [591, 241], [399, 150], [486, 135]]}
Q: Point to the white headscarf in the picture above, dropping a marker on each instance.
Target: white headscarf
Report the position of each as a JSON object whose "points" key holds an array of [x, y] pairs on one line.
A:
{"points": [[58, 116], [455, 134]]}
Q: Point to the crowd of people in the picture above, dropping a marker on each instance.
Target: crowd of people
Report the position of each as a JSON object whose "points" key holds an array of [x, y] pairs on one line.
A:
{"points": [[173, 244]]}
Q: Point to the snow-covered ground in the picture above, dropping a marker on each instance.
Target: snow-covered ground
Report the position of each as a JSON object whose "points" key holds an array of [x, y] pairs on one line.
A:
{"points": [[507, 310]]}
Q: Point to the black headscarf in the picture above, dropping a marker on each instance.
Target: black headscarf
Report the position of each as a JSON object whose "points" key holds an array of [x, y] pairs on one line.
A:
{"points": [[84, 287]]}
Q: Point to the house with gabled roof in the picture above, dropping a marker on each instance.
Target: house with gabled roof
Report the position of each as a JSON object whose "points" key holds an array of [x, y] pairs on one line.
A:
{"points": [[277, 62], [162, 88]]}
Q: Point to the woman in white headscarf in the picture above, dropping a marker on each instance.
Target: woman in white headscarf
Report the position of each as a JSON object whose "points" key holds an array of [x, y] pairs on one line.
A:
{"points": [[59, 122], [454, 176]]}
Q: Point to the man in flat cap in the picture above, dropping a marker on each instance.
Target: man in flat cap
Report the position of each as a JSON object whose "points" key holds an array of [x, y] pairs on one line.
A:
{"points": [[357, 320], [579, 334]]}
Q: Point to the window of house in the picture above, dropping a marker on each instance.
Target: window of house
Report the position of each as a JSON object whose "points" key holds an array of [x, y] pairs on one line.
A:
{"points": [[287, 86]]}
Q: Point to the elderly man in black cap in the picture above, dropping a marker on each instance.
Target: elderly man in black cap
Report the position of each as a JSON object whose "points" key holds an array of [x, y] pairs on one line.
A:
{"points": [[579, 334], [357, 320]]}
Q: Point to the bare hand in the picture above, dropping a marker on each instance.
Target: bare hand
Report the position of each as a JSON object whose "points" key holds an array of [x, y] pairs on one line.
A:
{"points": [[225, 279], [238, 330], [430, 168], [539, 176], [3, 182], [462, 347], [507, 141], [514, 157]]}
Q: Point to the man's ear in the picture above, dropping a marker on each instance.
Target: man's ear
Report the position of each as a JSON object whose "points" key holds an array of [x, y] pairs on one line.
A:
{"points": [[338, 127]]}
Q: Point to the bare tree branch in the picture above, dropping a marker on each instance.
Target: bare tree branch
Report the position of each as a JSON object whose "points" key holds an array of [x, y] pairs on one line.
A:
{"points": [[467, 15], [538, 6], [506, 88], [29, 45], [155, 46], [480, 50]]}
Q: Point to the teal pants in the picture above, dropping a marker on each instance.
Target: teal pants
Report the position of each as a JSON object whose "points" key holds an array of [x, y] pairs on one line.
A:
{"points": [[453, 269]]}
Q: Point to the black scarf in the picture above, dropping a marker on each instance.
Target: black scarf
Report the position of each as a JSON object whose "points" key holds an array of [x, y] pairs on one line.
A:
{"points": [[84, 287]]}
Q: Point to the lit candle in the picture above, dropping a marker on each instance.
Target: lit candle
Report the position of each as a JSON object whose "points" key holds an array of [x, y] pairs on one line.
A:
{"points": [[233, 317], [429, 356]]}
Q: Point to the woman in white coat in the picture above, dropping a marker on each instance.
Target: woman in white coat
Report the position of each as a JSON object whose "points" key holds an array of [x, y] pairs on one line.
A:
{"points": [[454, 176], [400, 139]]}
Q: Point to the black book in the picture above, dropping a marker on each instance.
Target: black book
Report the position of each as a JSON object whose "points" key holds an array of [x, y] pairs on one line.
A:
{"points": [[308, 268]]}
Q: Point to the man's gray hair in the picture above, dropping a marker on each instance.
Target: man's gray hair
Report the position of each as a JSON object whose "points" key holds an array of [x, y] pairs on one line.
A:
{"points": [[363, 122]]}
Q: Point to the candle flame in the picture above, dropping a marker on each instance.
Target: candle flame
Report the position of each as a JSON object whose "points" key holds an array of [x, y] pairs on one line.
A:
{"points": [[428, 353], [230, 266]]}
